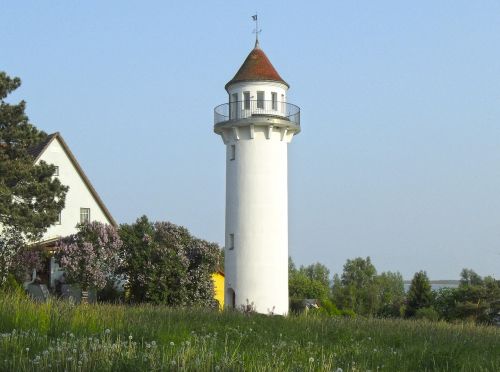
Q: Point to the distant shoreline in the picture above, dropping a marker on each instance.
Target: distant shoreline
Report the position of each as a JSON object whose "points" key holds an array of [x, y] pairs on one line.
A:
{"points": [[446, 282]]}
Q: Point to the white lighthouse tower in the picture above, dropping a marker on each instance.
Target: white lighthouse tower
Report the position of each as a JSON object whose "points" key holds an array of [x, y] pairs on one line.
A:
{"points": [[256, 126]]}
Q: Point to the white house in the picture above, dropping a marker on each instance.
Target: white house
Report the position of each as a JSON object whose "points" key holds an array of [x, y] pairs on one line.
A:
{"points": [[83, 204]]}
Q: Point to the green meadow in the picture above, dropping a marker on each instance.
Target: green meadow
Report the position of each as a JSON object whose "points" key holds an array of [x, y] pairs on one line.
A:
{"points": [[60, 336]]}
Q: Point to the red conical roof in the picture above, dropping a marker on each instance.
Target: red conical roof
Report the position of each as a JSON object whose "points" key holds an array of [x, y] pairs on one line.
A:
{"points": [[256, 67]]}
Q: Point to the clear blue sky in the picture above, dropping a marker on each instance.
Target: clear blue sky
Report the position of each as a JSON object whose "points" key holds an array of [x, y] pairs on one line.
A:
{"points": [[399, 155]]}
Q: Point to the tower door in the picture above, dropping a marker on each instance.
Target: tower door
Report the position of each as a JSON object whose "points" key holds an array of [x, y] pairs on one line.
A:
{"points": [[231, 298]]}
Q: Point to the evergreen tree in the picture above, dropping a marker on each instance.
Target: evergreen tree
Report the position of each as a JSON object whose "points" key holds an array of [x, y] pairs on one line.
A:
{"points": [[30, 198], [419, 295]]}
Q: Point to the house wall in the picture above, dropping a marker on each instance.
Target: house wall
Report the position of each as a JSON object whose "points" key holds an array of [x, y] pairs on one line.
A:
{"points": [[78, 196]]}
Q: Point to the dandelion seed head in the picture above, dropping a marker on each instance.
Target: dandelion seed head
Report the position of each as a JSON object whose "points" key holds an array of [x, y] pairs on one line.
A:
{"points": [[172, 343], [311, 360], [107, 331]]}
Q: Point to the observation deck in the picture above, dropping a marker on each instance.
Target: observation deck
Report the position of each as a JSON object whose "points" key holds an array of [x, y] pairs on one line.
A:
{"points": [[259, 112]]}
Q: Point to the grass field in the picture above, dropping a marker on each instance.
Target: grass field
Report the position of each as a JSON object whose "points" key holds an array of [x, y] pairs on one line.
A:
{"points": [[58, 336]]}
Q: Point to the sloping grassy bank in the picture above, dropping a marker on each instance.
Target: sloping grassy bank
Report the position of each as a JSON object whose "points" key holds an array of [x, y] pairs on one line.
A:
{"points": [[58, 336]]}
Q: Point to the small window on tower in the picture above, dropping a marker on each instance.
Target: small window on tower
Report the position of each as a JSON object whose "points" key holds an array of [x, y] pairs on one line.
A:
{"points": [[56, 171], [260, 99], [233, 107], [232, 154], [58, 221], [274, 100], [231, 241], [246, 100]]}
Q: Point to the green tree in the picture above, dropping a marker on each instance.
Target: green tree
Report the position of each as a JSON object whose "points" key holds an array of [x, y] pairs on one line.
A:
{"points": [[357, 288], [391, 294], [419, 295], [30, 198], [476, 299], [308, 281], [470, 277], [317, 272]]}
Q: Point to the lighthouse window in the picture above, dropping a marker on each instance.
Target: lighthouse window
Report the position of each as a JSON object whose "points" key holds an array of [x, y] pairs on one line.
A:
{"points": [[274, 99], [246, 100], [231, 241], [232, 154], [233, 107], [260, 99]]}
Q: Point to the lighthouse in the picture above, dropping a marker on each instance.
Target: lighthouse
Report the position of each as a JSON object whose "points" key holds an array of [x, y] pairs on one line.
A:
{"points": [[256, 125]]}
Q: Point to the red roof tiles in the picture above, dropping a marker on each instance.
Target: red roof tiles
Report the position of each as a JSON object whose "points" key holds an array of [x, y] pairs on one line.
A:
{"points": [[256, 67]]}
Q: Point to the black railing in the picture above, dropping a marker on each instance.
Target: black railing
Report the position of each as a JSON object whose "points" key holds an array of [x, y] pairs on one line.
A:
{"points": [[253, 108]]}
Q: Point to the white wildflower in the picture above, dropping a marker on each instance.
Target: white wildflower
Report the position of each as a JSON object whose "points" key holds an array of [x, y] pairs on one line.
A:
{"points": [[311, 360], [107, 331]]}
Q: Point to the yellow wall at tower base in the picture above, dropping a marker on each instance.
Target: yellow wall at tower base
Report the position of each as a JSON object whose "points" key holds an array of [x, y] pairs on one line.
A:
{"points": [[218, 278]]}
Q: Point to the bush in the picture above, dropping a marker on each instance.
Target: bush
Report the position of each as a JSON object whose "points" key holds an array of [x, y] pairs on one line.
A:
{"points": [[11, 285], [297, 306], [427, 313], [329, 308]]}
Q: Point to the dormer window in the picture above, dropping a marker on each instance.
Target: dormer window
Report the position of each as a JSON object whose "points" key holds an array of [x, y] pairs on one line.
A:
{"points": [[260, 99]]}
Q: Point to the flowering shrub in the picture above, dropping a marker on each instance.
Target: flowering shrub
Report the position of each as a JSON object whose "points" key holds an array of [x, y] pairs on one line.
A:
{"points": [[90, 256], [25, 261], [164, 264], [10, 244]]}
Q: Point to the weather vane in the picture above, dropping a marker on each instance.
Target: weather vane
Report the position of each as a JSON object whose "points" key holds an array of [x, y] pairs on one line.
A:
{"points": [[256, 31]]}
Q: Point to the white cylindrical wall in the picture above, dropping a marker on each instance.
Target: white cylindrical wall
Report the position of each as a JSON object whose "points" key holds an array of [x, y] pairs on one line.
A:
{"points": [[257, 217]]}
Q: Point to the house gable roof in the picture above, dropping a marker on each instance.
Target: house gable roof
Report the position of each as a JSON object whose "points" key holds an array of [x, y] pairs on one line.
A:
{"points": [[37, 152]]}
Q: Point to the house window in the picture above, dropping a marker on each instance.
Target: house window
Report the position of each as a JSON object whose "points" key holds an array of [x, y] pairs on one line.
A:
{"points": [[246, 100], [58, 221], [232, 154], [274, 100], [56, 171], [260, 99], [84, 215], [231, 241]]}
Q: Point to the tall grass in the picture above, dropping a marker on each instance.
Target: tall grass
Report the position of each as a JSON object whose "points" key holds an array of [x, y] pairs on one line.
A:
{"points": [[59, 336]]}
